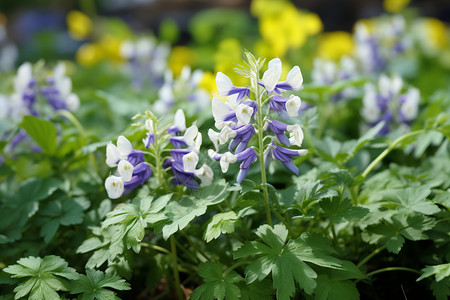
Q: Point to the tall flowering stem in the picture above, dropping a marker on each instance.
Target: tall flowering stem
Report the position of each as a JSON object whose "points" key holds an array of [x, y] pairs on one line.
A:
{"points": [[260, 134]]}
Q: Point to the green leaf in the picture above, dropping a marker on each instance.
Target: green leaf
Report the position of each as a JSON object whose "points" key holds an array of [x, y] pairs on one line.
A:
{"points": [[217, 284], [286, 262], [93, 285], [42, 132], [64, 212], [131, 219], [258, 290], [46, 276], [180, 213], [329, 289], [23, 204], [184, 210], [340, 211], [220, 223], [415, 199], [441, 272], [213, 193], [441, 289], [393, 233]]}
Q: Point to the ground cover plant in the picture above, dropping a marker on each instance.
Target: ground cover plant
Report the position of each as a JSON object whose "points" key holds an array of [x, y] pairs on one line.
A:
{"points": [[294, 170]]}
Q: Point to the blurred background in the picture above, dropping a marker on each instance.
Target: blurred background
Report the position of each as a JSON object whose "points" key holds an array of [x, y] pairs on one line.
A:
{"points": [[46, 29]]}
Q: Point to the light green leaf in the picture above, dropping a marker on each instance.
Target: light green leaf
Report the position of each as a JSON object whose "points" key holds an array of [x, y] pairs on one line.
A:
{"points": [[93, 285], [441, 272], [42, 132], [47, 276], [220, 223]]}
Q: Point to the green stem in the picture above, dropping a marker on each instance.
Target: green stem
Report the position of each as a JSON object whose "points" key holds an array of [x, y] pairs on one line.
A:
{"points": [[284, 221], [194, 245], [159, 170], [69, 116], [308, 140], [261, 151], [389, 149], [389, 269], [238, 264], [368, 257], [325, 114], [175, 268], [154, 247]]}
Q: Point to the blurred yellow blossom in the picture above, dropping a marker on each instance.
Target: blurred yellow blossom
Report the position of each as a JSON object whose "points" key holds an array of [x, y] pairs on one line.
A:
{"points": [[89, 54], [79, 24], [110, 46], [436, 32], [283, 26], [179, 57], [228, 54], [334, 45], [394, 6], [208, 83]]}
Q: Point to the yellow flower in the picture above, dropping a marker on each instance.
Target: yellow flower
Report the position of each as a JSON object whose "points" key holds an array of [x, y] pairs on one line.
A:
{"points": [[79, 24], [228, 54], [394, 6], [110, 46], [179, 57], [283, 26], [89, 54], [334, 45], [260, 8], [208, 83], [435, 31]]}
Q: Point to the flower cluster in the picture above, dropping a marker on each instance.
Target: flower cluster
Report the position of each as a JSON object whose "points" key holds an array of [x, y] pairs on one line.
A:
{"points": [[28, 89], [240, 118], [132, 169], [387, 103], [383, 40], [182, 91], [147, 60], [327, 72]]}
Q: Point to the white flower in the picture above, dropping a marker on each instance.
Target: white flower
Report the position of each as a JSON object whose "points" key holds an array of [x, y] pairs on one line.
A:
{"points": [[190, 161], [149, 126], [144, 47], [272, 75], [4, 106], [295, 78], [205, 174], [179, 120], [370, 111], [23, 77], [243, 114], [220, 110], [114, 187], [293, 105], [73, 102], [224, 84], [220, 138], [411, 105], [227, 159], [125, 169], [116, 153], [295, 134], [389, 87], [127, 49]]}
